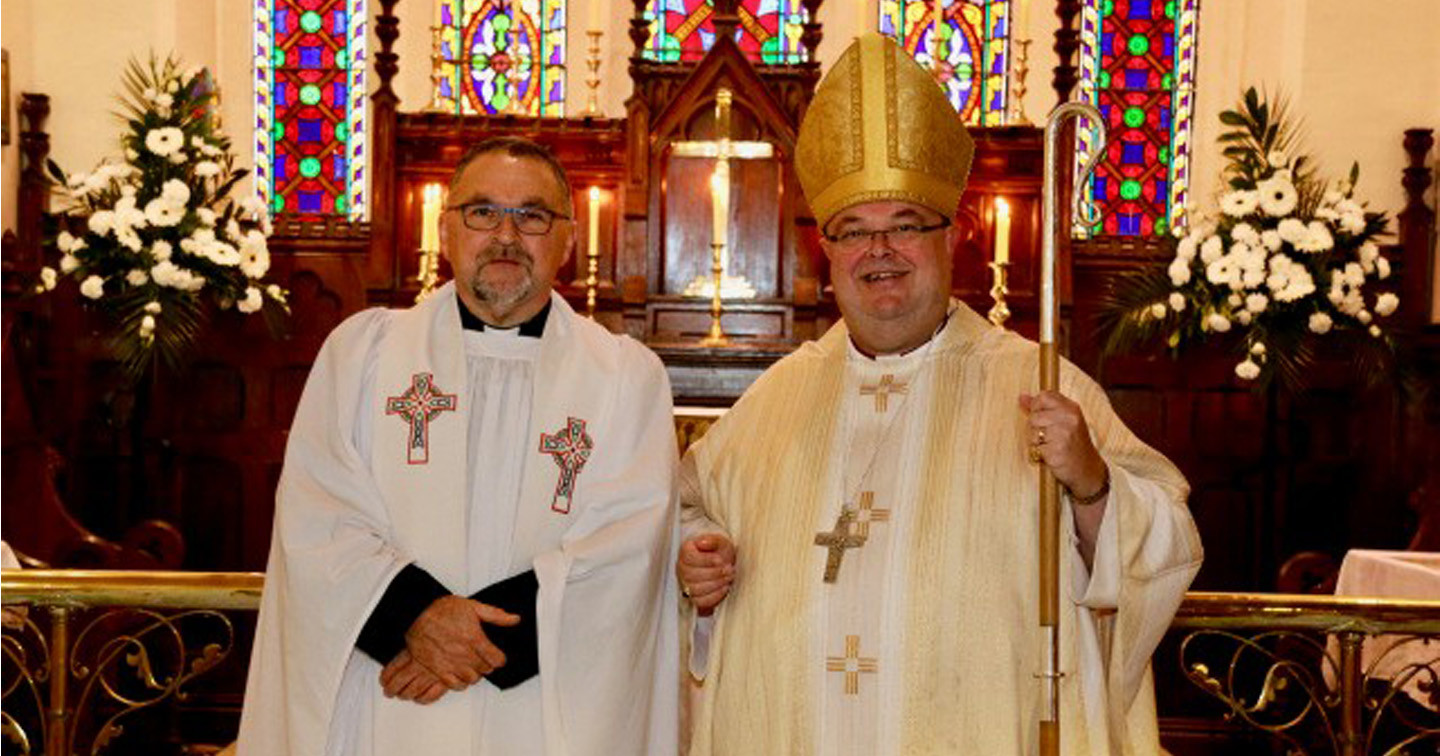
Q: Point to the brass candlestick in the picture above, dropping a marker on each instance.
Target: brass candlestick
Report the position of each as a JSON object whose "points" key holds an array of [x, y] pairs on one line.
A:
{"points": [[1001, 311], [592, 62], [717, 272], [592, 282], [1021, 70]]}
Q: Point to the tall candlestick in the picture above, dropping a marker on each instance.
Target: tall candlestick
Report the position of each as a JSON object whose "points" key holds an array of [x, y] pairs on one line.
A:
{"points": [[720, 201], [1002, 231], [593, 258], [594, 245], [430, 219]]}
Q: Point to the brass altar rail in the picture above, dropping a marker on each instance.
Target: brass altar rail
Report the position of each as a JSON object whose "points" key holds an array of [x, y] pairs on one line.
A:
{"points": [[48, 659]]}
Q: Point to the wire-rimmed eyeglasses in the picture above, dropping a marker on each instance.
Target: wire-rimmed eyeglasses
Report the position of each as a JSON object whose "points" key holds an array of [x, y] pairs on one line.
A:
{"points": [[902, 235], [531, 221]]}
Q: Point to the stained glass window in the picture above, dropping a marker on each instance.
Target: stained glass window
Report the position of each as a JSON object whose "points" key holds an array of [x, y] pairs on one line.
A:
{"points": [[769, 30], [310, 99], [965, 43], [1137, 65], [499, 56]]}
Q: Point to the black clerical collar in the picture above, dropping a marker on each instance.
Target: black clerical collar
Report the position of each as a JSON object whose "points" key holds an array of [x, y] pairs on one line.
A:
{"points": [[534, 327]]}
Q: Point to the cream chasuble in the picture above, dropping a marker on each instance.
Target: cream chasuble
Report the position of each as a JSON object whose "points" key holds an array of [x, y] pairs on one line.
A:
{"points": [[927, 640], [476, 455]]}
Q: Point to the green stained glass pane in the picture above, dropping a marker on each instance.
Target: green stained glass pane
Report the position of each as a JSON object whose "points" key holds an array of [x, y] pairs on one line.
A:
{"points": [[310, 21], [1170, 10], [310, 94], [501, 100], [309, 167], [279, 203], [1162, 227], [1103, 79], [1139, 44], [1134, 117], [502, 24], [279, 131], [1128, 190], [1167, 81], [1165, 155], [1107, 7], [342, 59], [277, 58], [340, 204], [342, 131]]}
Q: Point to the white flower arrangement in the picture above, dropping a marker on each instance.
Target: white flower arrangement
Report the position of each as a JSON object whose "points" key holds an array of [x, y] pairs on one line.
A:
{"points": [[148, 237], [1289, 258]]}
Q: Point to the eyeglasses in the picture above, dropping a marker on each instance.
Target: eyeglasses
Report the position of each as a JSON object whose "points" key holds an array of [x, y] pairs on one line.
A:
{"points": [[902, 235], [531, 221]]}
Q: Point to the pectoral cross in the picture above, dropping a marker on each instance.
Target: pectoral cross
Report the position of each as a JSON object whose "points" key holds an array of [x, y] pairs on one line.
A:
{"points": [[837, 541], [418, 405], [722, 150], [852, 664], [883, 390]]}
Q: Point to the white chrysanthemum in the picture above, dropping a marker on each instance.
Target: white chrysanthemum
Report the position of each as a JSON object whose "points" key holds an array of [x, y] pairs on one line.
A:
{"points": [[1239, 203], [1291, 230], [1320, 322], [1386, 303], [176, 191], [1354, 274], [48, 278], [1221, 271], [1244, 317], [161, 250], [1277, 195], [164, 213], [129, 239], [153, 307], [1382, 268], [173, 86], [164, 141], [1327, 213], [1179, 271], [1349, 207], [1276, 159], [1317, 238], [101, 222], [1258, 349], [254, 255], [1211, 250], [147, 325], [1246, 233], [1375, 331], [1271, 239], [1158, 310], [1352, 224], [1256, 303], [1177, 301], [1234, 300], [1331, 198], [1247, 370], [64, 240], [68, 263], [1217, 322], [232, 230], [137, 277], [1364, 317], [1368, 254], [178, 158], [207, 168], [252, 301], [93, 287], [206, 216]]}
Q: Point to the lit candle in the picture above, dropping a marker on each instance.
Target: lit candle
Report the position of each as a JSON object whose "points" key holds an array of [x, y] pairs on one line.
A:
{"points": [[1022, 22], [1002, 230], [594, 245], [594, 15], [430, 219], [720, 200]]}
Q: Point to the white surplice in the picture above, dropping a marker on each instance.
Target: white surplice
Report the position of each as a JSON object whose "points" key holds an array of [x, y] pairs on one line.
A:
{"points": [[926, 642], [473, 498]]}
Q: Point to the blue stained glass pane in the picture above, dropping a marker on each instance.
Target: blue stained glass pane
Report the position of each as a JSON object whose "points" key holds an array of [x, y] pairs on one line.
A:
{"points": [[1132, 153], [1140, 9], [280, 100], [310, 202], [338, 21], [1169, 45], [445, 18], [1165, 119], [309, 130], [1128, 225], [282, 18], [338, 96], [339, 173], [1107, 43], [309, 57], [1136, 78], [280, 161], [1162, 188], [1099, 193]]}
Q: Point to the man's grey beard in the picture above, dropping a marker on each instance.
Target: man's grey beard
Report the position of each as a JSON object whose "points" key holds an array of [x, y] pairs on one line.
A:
{"points": [[504, 300]]}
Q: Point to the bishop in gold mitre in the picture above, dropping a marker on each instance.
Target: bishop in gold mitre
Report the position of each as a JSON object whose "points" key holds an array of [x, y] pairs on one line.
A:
{"points": [[860, 554]]}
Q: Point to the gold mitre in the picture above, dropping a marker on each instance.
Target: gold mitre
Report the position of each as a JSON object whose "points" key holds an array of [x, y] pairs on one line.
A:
{"points": [[880, 128]]}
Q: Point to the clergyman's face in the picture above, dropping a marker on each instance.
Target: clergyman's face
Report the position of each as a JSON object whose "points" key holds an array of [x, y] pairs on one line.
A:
{"points": [[894, 292], [503, 275]]}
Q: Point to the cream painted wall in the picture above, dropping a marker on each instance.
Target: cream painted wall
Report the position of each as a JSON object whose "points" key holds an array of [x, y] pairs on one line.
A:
{"points": [[1335, 58]]}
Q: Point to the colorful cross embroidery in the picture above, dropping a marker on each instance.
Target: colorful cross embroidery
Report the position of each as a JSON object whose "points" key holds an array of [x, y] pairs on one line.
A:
{"points": [[418, 406], [837, 541], [852, 664], [867, 513], [571, 448], [883, 390]]}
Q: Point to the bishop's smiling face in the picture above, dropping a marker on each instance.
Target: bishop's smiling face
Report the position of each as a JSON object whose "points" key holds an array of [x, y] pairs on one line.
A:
{"points": [[893, 290]]}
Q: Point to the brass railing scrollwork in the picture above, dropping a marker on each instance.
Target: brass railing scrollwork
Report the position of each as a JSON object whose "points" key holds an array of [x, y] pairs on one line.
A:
{"points": [[1295, 667]]}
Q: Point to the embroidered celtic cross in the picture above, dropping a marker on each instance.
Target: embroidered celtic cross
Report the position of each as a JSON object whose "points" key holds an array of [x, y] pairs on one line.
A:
{"points": [[570, 448], [420, 404]]}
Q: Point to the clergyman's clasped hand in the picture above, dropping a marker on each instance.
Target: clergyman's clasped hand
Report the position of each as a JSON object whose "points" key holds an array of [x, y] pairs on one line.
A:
{"points": [[706, 569], [445, 649]]}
